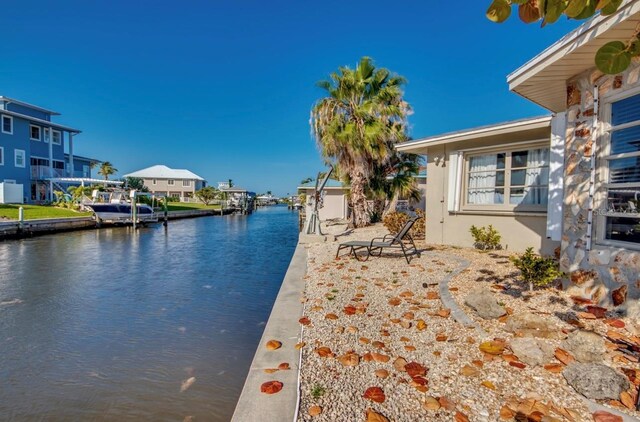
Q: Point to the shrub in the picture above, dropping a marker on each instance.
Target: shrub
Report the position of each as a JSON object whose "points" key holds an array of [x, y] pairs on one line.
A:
{"points": [[535, 269], [394, 222], [485, 238]]}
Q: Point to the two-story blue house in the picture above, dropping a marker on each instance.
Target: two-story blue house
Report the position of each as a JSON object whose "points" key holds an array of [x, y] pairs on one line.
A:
{"points": [[32, 149]]}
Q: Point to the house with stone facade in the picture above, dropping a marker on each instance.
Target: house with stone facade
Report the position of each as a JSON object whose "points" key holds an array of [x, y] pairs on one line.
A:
{"points": [[569, 181]]}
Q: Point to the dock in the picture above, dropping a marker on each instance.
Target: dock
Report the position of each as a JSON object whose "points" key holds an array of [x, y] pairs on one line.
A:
{"points": [[14, 229]]}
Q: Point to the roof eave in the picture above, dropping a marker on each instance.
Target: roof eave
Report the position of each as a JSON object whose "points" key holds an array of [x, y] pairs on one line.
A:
{"points": [[477, 133]]}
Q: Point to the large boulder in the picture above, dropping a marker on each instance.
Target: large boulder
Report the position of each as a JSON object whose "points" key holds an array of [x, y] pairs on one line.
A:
{"points": [[530, 325], [585, 346], [485, 305], [531, 351], [595, 380]]}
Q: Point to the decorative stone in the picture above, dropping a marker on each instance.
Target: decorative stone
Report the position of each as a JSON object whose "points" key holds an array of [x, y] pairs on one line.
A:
{"points": [[585, 346], [485, 305], [573, 95], [617, 82], [528, 350], [600, 257], [530, 325], [580, 277], [619, 295], [595, 380]]}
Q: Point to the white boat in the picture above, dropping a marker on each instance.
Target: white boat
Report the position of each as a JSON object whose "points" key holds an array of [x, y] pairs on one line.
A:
{"points": [[116, 207]]}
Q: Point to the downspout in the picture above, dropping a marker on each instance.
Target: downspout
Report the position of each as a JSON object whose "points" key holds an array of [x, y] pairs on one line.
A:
{"points": [[592, 177]]}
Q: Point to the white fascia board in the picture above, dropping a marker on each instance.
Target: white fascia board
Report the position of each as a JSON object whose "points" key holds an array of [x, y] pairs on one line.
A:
{"points": [[573, 40], [477, 133]]}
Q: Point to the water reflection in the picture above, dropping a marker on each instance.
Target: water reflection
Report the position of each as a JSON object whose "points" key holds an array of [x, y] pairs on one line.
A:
{"points": [[113, 323]]}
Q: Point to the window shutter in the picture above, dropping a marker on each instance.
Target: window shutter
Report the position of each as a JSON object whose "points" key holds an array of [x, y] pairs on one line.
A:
{"points": [[556, 177], [455, 181]]}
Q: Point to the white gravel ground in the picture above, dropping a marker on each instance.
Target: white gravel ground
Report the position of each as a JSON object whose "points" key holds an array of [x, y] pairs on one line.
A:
{"points": [[389, 297]]}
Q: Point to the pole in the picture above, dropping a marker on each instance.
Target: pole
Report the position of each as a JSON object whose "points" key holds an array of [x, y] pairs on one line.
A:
{"points": [[20, 218], [134, 209], [165, 208]]}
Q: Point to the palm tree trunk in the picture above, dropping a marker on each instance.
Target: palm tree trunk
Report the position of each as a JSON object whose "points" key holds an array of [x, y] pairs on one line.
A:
{"points": [[361, 217], [391, 206]]}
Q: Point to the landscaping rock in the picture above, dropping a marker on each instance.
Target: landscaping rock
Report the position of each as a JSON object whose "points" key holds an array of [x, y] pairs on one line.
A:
{"points": [[485, 305], [529, 351], [595, 380], [585, 346], [530, 325]]}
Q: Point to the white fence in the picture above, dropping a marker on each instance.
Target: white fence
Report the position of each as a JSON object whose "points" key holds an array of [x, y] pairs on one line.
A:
{"points": [[11, 193]]}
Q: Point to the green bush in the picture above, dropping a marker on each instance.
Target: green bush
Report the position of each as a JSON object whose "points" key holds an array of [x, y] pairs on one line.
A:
{"points": [[394, 221], [535, 269], [485, 238]]}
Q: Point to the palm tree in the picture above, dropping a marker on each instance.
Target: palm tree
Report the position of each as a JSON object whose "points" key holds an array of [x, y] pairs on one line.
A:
{"points": [[354, 125], [107, 169]]}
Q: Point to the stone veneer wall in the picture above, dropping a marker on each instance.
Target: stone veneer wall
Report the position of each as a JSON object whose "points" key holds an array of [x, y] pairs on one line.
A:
{"points": [[609, 276]]}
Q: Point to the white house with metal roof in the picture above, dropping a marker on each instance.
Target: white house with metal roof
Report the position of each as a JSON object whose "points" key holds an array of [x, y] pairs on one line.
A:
{"points": [[178, 183]]}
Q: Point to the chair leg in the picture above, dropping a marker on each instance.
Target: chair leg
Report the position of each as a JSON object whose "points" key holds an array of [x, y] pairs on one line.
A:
{"points": [[404, 252]]}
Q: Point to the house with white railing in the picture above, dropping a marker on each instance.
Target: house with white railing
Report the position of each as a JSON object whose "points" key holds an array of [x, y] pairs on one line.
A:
{"points": [[32, 149]]}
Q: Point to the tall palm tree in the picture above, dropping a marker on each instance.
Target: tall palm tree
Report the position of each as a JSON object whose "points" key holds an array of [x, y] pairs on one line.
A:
{"points": [[107, 169], [354, 125]]}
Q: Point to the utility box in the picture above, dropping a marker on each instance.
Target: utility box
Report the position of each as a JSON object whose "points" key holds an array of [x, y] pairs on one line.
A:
{"points": [[11, 193]]}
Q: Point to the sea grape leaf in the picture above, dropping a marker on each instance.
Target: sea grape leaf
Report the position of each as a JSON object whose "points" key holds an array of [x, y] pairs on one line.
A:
{"points": [[499, 11], [613, 57], [575, 7], [611, 7], [529, 12]]}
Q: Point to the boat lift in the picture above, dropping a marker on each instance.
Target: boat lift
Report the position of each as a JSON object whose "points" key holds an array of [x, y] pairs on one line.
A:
{"points": [[313, 220]]}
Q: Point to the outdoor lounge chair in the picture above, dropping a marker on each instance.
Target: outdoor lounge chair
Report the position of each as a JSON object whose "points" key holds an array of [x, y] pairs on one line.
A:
{"points": [[402, 240]]}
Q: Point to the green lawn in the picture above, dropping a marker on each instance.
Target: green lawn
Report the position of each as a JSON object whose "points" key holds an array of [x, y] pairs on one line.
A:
{"points": [[32, 212], [186, 206]]}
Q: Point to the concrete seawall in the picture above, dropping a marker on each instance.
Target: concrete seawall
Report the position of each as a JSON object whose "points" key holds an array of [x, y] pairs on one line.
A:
{"points": [[14, 230], [283, 325]]}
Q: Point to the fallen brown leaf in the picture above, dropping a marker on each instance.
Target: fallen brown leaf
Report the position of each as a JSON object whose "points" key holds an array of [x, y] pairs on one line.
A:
{"points": [[492, 347], [271, 387], [315, 411], [273, 345], [375, 417], [563, 356], [375, 394], [430, 403]]}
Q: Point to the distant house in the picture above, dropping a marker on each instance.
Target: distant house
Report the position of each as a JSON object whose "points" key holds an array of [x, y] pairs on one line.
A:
{"points": [[571, 179], [172, 182], [32, 148], [334, 200]]}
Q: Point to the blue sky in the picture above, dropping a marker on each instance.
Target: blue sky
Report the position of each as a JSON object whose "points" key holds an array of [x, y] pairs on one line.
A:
{"points": [[224, 88]]}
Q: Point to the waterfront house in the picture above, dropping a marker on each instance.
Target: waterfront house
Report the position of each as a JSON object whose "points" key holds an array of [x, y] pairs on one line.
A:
{"points": [[593, 166], [176, 183], [82, 166], [479, 176], [32, 148], [335, 203]]}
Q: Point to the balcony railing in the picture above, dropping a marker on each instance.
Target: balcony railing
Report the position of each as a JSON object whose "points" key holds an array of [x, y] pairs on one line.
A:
{"points": [[44, 172]]}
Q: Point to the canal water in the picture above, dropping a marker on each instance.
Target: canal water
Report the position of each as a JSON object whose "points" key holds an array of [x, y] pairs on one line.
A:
{"points": [[110, 325]]}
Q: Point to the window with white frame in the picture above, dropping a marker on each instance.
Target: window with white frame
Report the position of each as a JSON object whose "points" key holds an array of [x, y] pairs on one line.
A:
{"points": [[171, 182], [57, 137], [19, 158], [7, 125], [35, 133], [508, 179], [620, 220], [154, 182], [186, 183], [1, 156]]}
